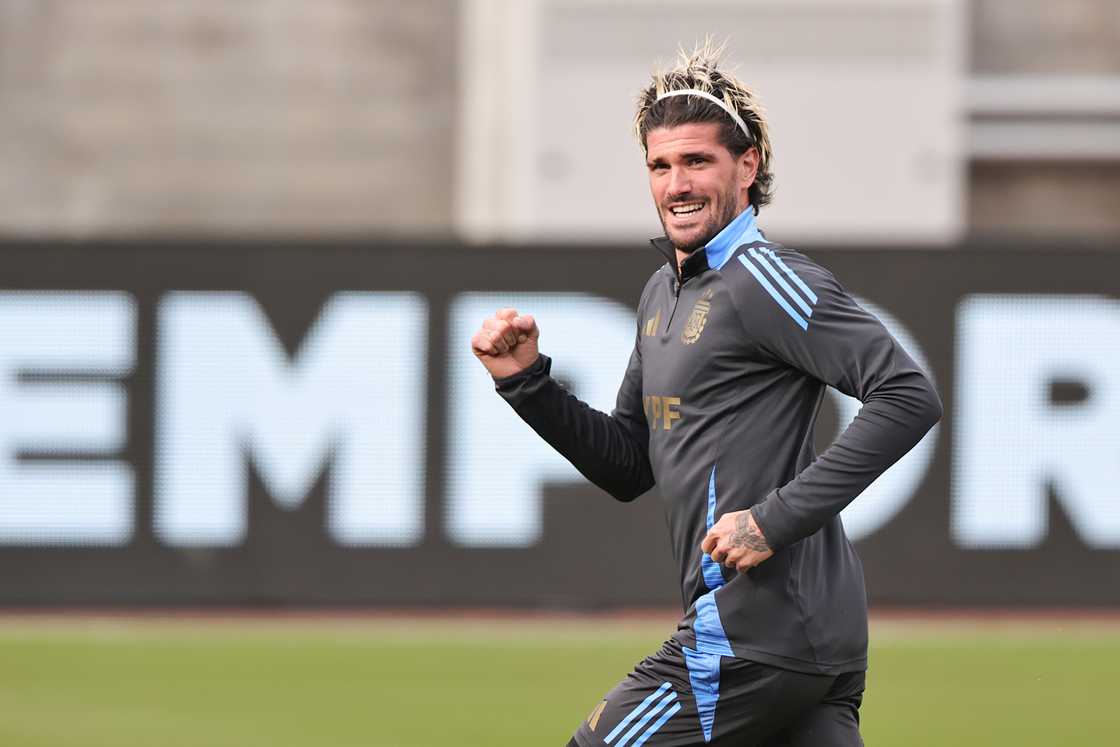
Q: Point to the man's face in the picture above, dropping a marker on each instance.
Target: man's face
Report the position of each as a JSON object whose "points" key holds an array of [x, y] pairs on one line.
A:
{"points": [[697, 185]]}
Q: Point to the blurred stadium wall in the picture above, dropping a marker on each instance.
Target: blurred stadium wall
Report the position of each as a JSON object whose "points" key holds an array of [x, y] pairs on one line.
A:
{"points": [[274, 115], [247, 381], [135, 116], [1044, 101]]}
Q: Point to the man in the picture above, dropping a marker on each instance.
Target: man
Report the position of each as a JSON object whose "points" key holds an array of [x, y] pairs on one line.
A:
{"points": [[736, 341]]}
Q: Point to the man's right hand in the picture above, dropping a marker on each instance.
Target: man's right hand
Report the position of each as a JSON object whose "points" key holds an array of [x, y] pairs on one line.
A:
{"points": [[507, 343]]}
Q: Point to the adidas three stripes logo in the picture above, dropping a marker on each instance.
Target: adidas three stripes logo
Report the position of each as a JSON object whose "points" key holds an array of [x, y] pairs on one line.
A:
{"points": [[798, 299], [658, 702]]}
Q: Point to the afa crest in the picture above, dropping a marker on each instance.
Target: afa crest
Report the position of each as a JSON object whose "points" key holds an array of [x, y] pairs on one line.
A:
{"points": [[697, 319]]}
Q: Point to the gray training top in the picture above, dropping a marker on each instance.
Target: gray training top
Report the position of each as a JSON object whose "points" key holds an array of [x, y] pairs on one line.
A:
{"points": [[717, 408]]}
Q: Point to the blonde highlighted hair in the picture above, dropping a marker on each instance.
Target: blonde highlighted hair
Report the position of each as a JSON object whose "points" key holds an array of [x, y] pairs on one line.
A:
{"points": [[698, 70]]}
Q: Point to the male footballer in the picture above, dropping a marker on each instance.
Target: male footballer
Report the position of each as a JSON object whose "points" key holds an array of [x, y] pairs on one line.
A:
{"points": [[736, 339]]}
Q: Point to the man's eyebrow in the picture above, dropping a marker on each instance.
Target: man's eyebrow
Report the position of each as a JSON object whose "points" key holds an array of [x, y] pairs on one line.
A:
{"points": [[704, 154]]}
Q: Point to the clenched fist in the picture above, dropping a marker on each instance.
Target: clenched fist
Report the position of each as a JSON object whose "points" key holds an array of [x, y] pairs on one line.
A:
{"points": [[507, 343], [736, 541]]}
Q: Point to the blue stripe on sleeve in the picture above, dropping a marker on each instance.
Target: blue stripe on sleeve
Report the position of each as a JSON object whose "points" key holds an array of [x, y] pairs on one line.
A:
{"points": [[781, 282], [774, 293], [792, 275]]}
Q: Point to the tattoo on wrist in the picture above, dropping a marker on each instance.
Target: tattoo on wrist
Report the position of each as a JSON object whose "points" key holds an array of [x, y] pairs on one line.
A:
{"points": [[746, 535]]}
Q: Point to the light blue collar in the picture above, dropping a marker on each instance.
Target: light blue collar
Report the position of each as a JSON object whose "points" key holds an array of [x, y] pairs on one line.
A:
{"points": [[742, 230]]}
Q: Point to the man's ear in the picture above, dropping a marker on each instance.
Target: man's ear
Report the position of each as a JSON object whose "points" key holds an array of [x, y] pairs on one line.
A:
{"points": [[749, 163]]}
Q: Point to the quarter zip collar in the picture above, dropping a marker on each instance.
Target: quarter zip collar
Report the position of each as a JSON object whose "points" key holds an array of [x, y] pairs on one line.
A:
{"points": [[742, 230], [666, 248]]}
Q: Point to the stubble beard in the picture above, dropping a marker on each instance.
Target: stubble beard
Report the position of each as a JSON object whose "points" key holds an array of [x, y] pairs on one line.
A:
{"points": [[712, 228]]}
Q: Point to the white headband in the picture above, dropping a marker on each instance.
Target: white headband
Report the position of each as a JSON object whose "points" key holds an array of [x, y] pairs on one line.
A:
{"points": [[731, 112]]}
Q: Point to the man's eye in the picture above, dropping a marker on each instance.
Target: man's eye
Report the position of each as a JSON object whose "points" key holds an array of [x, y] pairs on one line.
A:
{"points": [[696, 162]]}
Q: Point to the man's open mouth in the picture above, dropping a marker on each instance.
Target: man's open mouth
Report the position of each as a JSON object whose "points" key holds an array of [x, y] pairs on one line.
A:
{"points": [[687, 208]]}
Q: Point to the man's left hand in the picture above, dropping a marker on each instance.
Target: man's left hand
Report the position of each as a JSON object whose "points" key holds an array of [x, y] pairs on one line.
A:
{"points": [[736, 541]]}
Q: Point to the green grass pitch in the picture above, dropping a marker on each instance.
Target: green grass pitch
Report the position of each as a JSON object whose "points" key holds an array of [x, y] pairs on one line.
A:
{"points": [[406, 683]]}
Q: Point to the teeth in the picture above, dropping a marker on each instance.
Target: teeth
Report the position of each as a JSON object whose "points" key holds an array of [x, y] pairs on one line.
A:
{"points": [[688, 209]]}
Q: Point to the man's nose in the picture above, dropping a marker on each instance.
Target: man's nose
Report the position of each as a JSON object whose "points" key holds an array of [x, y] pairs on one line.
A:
{"points": [[679, 182]]}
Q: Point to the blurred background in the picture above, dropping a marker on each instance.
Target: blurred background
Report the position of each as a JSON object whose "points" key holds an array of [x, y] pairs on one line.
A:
{"points": [[250, 472]]}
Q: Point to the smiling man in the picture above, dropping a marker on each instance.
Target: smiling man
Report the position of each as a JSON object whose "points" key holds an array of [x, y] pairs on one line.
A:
{"points": [[736, 340]]}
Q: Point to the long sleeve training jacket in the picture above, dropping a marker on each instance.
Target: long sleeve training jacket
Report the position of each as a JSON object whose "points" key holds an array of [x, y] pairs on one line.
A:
{"points": [[730, 363]]}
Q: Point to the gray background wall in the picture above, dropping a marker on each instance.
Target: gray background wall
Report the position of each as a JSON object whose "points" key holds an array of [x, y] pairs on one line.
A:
{"points": [[160, 116], [340, 115]]}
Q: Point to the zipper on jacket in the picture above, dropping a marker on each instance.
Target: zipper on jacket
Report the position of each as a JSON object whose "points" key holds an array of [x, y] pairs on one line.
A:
{"points": [[676, 298]]}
